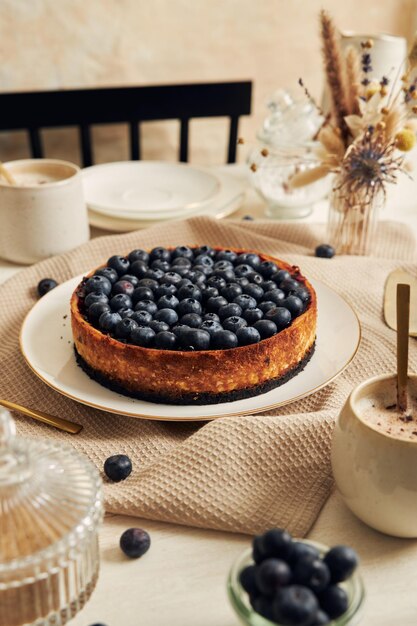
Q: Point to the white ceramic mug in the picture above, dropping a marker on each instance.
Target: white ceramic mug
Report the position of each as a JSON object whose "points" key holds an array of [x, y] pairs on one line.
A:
{"points": [[375, 472], [388, 53], [44, 213]]}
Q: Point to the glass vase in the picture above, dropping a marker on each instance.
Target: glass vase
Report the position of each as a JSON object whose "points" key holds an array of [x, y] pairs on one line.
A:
{"points": [[352, 221]]}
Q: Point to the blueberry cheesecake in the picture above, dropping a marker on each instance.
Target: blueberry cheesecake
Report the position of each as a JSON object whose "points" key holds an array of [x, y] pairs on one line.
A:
{"points": [[193, 325]]}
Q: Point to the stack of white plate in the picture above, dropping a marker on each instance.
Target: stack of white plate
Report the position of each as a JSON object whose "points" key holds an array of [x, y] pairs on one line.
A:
{"points": [[137, 194]]}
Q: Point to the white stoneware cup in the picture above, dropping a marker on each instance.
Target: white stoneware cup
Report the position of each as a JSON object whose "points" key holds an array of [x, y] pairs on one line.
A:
{"points": [[388, 54], [44, 213], [375, 472]]}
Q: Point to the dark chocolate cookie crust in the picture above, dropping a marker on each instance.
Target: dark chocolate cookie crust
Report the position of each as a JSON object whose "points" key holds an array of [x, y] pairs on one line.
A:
{"points": [[196, 398]]}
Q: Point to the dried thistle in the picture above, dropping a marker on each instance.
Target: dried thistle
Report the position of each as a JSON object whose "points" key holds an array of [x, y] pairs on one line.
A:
{"points": [[333, 63], [352, 79]]}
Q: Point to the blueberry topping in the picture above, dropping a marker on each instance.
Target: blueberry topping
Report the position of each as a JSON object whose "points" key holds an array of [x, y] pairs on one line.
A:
{"points": [[249, 258], [138, 255], [215, 303], [280, 316], [206, 250], [158, 326], [295, 605], [289, 284], [227, 274], [269, 285], [130, 279], [108, 321], [181, 262], [226, 255], [203, 269], [247, 335], [95, 296], [280, 276], [268, 269], [180, 330], [123, 286], [196, 339], [255, 278], [183, 251], [98, 283], [252, 316], [142, 317], [169, 316], [171, 278], [325, 251], [138, 269], [160, 253], [108, 273], [242, 281], [161, 265], [229, 310], [204, 259], [266, 328], [216, 281], [125, 312], [135, 542], [119, 263], [211, 316], [302, 293], [192, 320], [165, 340], [223, 340], [271, 575], [243, 270], [189, 305], [143, 336], [168, 302], [150, 283], [342, 562], [275, 295], [118, 467], [121, 301], [245, 301], [255, 291], [210, 292], [96, 309], [266, 306], [156, 274], [294, 304], [189, 291], [164, 290], [211, 326], [231, 291], [234, 323], [142, 293], [334, 601], [124, 328], [146, 305]]}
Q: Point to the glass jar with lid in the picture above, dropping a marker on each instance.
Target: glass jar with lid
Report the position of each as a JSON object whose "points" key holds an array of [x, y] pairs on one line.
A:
{"points": [[50, 511]]}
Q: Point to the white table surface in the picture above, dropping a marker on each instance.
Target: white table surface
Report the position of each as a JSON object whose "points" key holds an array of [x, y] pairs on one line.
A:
{"points": [[181, 581]]}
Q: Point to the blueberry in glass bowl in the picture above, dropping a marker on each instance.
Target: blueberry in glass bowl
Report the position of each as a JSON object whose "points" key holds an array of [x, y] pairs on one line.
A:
{"points": [[281, 581]]}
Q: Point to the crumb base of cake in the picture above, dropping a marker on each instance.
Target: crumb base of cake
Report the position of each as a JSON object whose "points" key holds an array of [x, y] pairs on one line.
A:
{"points": [[196, 398]]}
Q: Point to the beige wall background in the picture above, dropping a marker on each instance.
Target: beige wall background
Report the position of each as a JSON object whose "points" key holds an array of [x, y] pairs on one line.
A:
{"points": [[55, 44]]}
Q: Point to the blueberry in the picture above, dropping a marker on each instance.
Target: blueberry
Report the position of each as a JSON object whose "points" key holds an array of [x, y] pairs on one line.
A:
{"points": [[98, 283], [229, 310], [134, 542], [142, 336], [258, 551], [168, 302], [181, 262], [142, 317], [295, 605], [289, 284], [342, 562], [247, 335], [210, 326], [268, 269], [118, 467], [223, 265], [180, 330], [108, 273], [164, 290], [211, 316], [245, 301], [204, 269], [223, 340], [272, 574], [156, 274], [124, 328], [301, 550], [252, 316], [325, 251], [165, 340], [161, 265], [248, 218], [184, 281], [280, 316], [266, 306], [247, 580], [198, 278], [210, 292], [107, 321], [142, 293], [160, 253], [146, 305], [280, 276], [204, 259], [242, 281], [302, 293], [131, 279], [255, 291], [275, 295], [217, 282], [95, 296], [189, 305], [96, 309], [192, 320], [227, 274], [123, 286], [249, 258], [263, 606], [168, 316], [189, 291], [158, 326], [277, 543], [294, 304], [121, 301], [196, 339], [266, 328], [170, 278], [269, 285], [321, 619], [183, 251], [119, 263], [243, 270], [125, 312], [205, 250], [231, 291], [150, 283], [334, 601], [138, 269], [255, 278], [138, 255], [234, 323], [312, 573]]}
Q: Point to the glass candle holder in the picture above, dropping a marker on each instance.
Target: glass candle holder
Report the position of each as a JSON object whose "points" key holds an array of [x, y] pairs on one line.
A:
{"points": [[50, 511]]}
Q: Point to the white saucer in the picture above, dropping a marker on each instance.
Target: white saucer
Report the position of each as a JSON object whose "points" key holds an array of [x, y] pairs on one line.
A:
{"points": [[46, 344], [147, 190]]}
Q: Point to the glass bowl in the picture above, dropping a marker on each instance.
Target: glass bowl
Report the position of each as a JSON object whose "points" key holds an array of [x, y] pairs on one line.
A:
{"points": [[240, 600]]}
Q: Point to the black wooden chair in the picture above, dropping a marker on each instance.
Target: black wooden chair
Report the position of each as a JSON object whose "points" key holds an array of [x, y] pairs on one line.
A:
{"points": [[83, 108]]}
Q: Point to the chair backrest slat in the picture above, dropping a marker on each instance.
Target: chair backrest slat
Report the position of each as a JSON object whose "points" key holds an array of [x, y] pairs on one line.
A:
{"points": [[35, 140], [233, 130], [86, 145], [184, 128], [135, 142]]}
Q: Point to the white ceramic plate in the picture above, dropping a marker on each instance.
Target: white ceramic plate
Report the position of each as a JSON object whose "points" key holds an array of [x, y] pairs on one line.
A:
{"points": [[147, 190], [46, 343], [229, 199]]}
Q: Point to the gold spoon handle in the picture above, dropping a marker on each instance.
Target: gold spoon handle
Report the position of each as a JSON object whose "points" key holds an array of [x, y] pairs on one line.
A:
{"points": [[6, 174], [51, 420], [403, 322]]}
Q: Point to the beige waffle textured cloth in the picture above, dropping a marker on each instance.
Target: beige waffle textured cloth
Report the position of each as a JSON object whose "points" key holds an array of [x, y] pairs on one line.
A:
{"points": [[238, 473]]}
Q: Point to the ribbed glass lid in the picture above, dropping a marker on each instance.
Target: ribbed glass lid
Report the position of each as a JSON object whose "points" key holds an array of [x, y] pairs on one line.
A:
{"points": [[50, 497]]}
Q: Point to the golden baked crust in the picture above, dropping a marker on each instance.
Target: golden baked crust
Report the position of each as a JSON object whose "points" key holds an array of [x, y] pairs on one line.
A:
{"points": [[202, 377]]}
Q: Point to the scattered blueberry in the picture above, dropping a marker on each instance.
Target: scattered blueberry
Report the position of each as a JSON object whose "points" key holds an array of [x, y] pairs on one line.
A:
{"points": [[325, 251], [118, 467], [135, 542], [248, 218]]}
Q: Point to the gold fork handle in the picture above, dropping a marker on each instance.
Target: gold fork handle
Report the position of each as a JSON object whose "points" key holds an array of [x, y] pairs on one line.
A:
{"points": [[51, 420]]}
